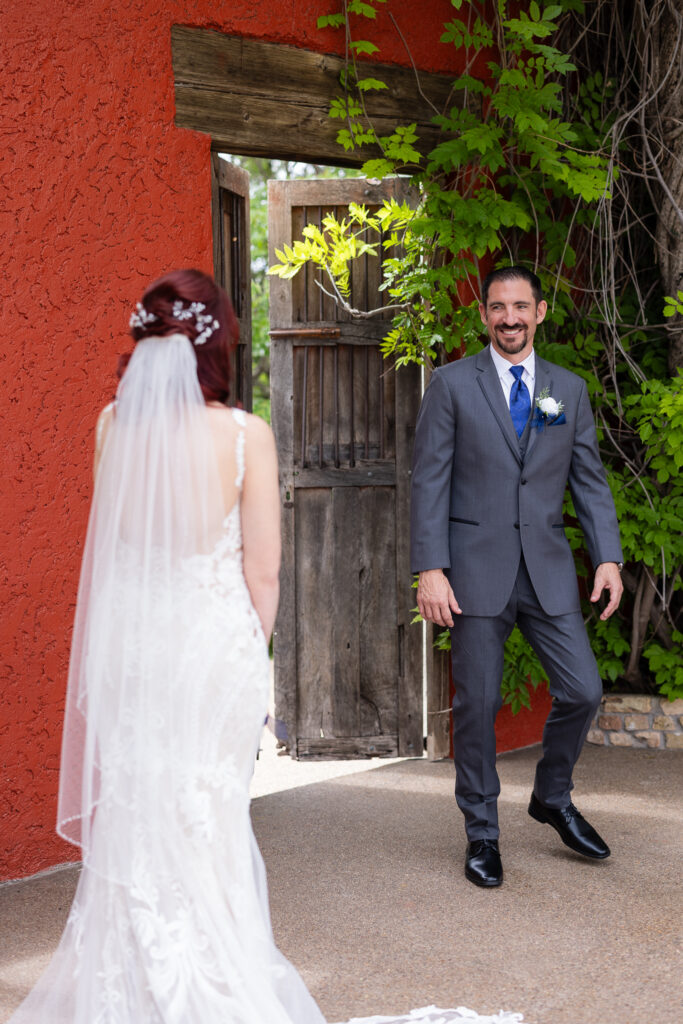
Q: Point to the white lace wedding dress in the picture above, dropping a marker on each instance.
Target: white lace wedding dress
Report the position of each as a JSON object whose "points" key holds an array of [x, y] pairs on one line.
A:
{"points": [[170, 922]]}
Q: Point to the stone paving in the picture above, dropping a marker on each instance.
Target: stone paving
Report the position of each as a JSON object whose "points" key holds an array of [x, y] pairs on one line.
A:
{"points": [[369, 899]]}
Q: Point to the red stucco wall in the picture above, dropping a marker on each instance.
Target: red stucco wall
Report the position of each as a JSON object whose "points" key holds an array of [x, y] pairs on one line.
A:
{"points": [[99, 194]]}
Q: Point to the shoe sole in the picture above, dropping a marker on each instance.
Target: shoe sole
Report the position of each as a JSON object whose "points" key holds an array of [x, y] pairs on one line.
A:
{"points": [[476, 880], [546, 821]]}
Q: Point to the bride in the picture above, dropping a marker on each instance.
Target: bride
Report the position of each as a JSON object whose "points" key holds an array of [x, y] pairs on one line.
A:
{"points": [[168, 685]]}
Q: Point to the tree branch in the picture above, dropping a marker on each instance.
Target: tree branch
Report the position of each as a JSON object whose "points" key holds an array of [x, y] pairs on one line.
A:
{"points": [[357, 314]]}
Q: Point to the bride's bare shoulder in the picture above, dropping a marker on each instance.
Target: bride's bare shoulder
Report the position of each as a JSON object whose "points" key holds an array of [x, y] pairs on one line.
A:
{"points": [[257, 428], [228, 421], [260, 450], [260, 461]]}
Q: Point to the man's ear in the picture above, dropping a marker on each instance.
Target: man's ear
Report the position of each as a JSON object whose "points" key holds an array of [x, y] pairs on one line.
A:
{"points": [[541, 310], [482, 312]]}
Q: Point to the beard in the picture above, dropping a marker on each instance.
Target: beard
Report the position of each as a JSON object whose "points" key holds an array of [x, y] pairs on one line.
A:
{"points": [[512, 345]]}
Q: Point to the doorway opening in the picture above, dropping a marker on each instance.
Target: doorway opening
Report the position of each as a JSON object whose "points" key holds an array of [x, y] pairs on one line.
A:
{"points": [[348, 661], [270, 102], [261, 170]]}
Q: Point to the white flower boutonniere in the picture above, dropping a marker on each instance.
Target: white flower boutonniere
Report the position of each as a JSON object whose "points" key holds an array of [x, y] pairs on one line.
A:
{"points": [[547, 408]]}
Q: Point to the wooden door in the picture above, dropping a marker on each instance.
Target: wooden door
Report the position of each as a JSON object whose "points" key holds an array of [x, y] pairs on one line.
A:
{"points": [[232, 262], [348, 662]]}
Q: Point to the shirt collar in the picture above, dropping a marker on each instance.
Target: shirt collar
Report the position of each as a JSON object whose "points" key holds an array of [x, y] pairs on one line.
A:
{"points": [[503, 365]]}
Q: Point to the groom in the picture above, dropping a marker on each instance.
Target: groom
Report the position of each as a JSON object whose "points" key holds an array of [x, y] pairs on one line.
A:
{"points": [[499, 437]]}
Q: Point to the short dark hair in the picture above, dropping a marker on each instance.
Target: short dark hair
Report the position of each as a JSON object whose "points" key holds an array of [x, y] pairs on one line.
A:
{"points": [[512, 274]]}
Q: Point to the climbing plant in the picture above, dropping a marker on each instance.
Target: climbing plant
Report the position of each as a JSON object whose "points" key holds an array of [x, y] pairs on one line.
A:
{"points": [[509, 166], [548, 158]]}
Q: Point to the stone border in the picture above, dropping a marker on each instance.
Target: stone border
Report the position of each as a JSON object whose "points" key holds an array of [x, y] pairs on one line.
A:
{"points": [[630, 720]]}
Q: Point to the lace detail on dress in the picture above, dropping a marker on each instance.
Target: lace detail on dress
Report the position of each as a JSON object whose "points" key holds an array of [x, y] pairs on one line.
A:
{"points": [[241, 419]]}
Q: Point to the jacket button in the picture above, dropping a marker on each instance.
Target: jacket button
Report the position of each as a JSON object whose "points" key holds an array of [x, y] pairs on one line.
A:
{"points": [[523, 480], [516, 525]]}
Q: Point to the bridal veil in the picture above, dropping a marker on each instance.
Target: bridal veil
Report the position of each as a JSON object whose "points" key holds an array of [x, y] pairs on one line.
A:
{"points": [[157, 506]]}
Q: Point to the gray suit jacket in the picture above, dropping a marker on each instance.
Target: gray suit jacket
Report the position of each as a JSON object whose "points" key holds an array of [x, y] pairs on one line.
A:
{"points": [[477, 502]]}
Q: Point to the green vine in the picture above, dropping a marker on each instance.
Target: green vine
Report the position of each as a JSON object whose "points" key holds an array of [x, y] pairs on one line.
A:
{"points": [[534, 168]]}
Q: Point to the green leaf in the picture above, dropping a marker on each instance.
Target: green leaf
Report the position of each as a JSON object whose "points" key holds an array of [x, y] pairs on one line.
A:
{"points": [[550, 13], [471, 84], [673, 305], [363, 9], [363, 46], [331, 21], [378, 168], [366, 84]]}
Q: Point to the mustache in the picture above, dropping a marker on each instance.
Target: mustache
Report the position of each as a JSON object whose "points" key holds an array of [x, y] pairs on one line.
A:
{"points": [[510, 327]]}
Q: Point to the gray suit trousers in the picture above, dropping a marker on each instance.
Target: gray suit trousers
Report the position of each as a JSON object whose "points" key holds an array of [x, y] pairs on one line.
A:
{"points": [[562, 646]]}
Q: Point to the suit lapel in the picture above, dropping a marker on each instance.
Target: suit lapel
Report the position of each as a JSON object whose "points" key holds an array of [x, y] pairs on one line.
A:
{"points": [[490, 384], [543, 379]]}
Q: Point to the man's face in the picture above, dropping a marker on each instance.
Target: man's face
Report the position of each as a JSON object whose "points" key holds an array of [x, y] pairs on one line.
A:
{"points": [[511, 316]]}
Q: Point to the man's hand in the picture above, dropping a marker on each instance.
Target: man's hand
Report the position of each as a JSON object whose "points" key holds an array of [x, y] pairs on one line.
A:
{"points": [[435, 598], [607, 577]]}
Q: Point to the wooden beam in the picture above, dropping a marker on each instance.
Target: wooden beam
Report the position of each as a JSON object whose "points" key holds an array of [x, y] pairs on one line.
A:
{"points": [[265, 99], [340, 748]]}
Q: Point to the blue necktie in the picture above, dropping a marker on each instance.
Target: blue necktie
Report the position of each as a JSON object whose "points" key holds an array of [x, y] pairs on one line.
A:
{"points": [[520, 403]]}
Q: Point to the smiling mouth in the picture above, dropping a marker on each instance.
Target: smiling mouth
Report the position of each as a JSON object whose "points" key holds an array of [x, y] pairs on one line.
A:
{"points": [[511, 331]]}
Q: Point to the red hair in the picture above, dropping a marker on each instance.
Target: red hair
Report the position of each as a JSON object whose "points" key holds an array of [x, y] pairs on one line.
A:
{"points": [[213, 355]]}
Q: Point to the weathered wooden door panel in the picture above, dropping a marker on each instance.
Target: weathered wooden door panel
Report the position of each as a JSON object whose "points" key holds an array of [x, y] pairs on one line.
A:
{"points": [[232, 261], [345, 600], [346, 414], [348, 666]]}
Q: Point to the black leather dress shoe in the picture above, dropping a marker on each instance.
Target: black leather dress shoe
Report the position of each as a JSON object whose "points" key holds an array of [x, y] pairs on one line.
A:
{"points": [[483, 865], [572, 828]]}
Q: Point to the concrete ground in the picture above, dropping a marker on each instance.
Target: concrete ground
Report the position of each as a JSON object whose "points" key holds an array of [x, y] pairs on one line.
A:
{"points": [[369, 899]]}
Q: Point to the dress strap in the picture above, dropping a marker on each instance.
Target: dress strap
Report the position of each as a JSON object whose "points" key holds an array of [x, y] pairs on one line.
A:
{"points": [[240, 418], [100, 425]]}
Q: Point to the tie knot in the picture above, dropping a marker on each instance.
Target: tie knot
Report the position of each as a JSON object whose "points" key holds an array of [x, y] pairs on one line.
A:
{"points": [[517, 372]]}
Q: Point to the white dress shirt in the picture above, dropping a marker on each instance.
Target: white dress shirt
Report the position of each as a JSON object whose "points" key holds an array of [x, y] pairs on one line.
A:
{"points": [[503, 365]]}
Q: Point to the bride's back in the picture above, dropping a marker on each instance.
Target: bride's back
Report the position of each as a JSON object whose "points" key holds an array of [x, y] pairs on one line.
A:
{"points": [[225, 432]]}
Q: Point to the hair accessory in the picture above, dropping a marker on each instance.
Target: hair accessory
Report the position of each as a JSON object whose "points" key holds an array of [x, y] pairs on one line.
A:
{"points": [[205, 322], [140, 316]]}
